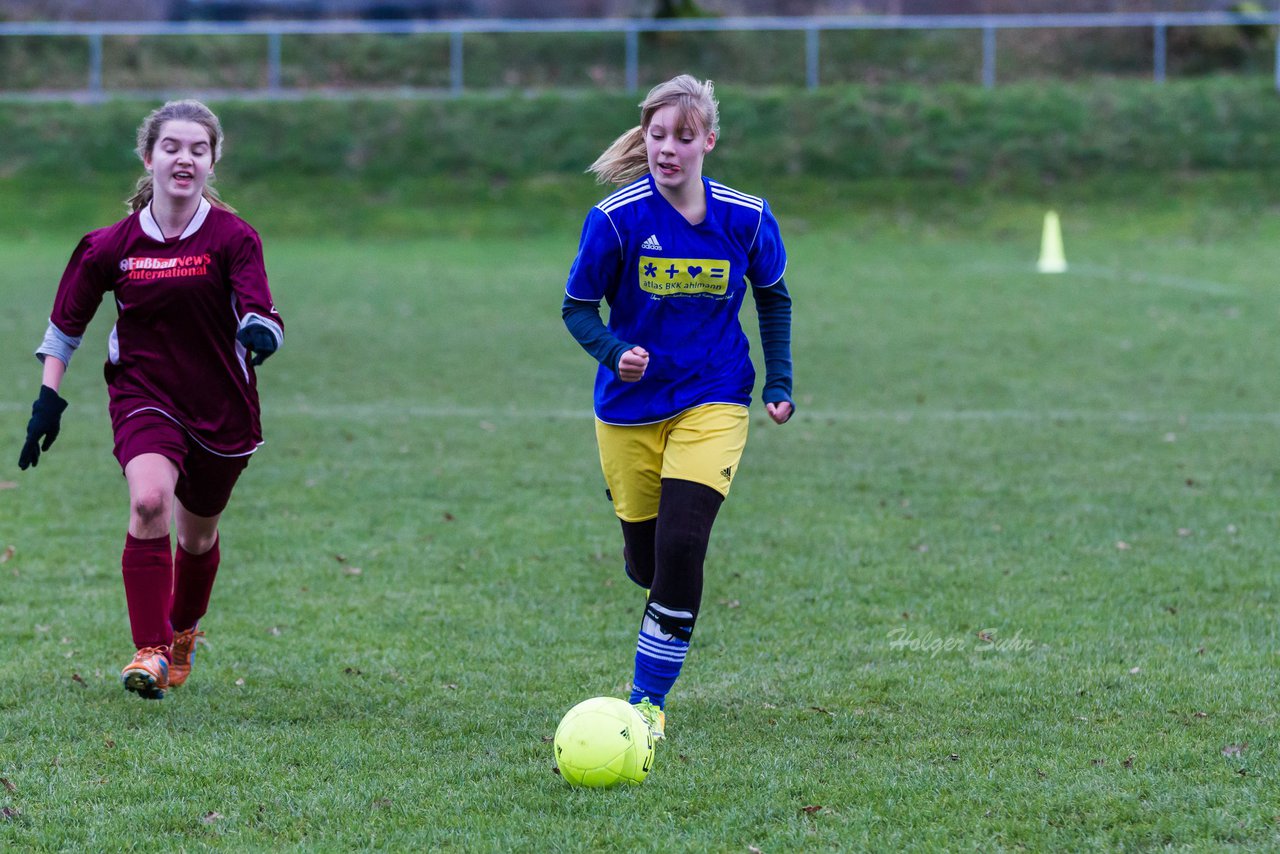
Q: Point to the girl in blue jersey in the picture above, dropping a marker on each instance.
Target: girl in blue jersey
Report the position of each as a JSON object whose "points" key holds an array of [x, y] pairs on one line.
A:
{"points": [[674, 254]]}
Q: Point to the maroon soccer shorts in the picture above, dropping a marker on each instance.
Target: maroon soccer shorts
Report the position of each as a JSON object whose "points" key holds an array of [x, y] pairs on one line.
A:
{"points": [[205, 480]]}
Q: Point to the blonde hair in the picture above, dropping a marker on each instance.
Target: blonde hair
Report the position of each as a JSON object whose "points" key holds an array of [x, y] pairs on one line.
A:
{"points": [[626, 159], [149, 133]]}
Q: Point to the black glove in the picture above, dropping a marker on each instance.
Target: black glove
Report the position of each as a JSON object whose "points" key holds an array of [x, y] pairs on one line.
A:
{"points": [[259, 341], [46, 421]]}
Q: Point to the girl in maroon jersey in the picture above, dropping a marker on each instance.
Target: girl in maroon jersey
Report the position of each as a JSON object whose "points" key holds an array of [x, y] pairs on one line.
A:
{"points": [[195, 317]]}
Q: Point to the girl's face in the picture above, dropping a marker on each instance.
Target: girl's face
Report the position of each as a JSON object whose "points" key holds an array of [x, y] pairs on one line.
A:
{"points": [[675, 150], [181, 160]]}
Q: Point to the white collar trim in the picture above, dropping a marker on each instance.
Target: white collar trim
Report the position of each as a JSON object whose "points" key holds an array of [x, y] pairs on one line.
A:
{"points": [[152, 228]]}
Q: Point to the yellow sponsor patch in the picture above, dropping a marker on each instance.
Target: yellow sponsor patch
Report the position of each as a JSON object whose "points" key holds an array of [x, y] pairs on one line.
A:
{"points": [[663, 276]]}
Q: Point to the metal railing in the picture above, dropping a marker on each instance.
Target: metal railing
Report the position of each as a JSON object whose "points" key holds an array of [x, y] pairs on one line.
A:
{"points": [[631, 30]]}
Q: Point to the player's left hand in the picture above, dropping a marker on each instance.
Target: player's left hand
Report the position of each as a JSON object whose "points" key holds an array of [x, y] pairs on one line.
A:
{"points": [[258, 341], [780, 412], [45, 423]]}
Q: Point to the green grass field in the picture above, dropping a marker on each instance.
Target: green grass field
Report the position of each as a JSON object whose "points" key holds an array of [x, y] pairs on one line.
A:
{"points": [[1008, 579]]}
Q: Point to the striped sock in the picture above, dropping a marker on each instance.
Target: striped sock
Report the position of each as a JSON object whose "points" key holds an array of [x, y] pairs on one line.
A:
{"points": [[661, 648]]}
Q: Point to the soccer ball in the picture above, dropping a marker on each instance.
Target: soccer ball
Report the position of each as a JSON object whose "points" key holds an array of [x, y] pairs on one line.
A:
{"points": [[602, 742]]}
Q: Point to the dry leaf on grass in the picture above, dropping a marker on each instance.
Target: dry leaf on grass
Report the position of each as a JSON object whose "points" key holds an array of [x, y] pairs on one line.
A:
{"points": [[8, 787], [1234, 749], [811, 809], [210, 817], [7, 554]]}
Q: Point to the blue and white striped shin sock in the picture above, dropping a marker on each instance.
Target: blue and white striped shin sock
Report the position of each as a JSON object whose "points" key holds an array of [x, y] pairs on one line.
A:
{"points": [[660, 650]]}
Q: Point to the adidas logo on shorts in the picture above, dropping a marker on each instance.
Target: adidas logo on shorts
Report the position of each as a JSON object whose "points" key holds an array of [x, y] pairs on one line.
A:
{"points": [[652, 243]]}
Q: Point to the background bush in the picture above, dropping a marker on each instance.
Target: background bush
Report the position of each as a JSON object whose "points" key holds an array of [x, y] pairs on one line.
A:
{"points": [[1012, 134]]}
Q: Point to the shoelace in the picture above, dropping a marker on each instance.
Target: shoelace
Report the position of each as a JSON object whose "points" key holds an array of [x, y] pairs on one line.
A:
{"points": [[153, 650], [192, 634]]}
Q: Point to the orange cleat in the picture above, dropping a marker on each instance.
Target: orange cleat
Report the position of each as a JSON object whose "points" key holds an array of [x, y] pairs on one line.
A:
{"points": [[148, 674], [183, 655]]}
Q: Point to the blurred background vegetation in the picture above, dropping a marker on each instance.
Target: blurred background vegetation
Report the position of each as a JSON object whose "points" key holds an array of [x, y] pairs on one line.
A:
{"points": [[595, 61]]}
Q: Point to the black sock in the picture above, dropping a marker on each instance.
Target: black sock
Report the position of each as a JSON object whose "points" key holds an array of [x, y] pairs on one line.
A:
{"points": [[686, 512], [637, 550]]}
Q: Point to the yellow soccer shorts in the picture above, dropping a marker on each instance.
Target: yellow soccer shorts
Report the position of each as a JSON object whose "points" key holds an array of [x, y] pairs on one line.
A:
{"points": [[703, 444]]}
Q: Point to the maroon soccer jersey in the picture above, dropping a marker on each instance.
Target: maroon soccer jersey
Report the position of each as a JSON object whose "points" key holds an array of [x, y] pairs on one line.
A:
{"points": [[180, 301]]}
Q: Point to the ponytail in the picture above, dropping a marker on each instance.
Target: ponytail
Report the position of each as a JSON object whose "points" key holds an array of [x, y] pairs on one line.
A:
{"points": [[624, 160]]}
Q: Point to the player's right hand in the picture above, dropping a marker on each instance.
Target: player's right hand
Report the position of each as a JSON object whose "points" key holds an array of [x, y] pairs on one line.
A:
{"points": [[258, 343], [46, 421], [632, 364]]}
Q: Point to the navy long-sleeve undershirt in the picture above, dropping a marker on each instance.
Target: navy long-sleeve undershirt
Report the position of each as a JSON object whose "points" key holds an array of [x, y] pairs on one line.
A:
{"points": [[773, 307]]}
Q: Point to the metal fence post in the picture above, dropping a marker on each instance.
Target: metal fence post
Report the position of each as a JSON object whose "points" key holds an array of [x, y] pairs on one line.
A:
{"points": [[633, 59], [989, 57], [1278, 62], [1161, 51], [273, 62], [811, 57], [455, 62], [95, 65]]}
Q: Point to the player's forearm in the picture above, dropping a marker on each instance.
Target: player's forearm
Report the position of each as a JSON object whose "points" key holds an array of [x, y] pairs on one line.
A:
{"points": [[54, 369], [582, 319], [773, 307]]}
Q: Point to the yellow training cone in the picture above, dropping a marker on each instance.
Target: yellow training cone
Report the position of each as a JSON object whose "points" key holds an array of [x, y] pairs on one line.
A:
{"points": [[1052, 259]]}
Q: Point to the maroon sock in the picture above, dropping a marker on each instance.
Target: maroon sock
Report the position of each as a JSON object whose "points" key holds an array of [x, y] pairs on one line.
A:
{"points": [[192, 584], [148, 588]]}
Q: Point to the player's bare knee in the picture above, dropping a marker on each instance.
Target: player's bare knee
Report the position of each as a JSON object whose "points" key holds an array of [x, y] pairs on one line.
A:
{"points": [[151, 506], [197, 544]]}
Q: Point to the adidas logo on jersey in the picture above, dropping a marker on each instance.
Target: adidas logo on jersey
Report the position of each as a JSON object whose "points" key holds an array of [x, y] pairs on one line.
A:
{"points": [[652, 244]]}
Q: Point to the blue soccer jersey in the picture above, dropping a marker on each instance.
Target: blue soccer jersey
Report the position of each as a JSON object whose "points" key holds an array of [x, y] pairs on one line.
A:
{"points": [[675, 289]]}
